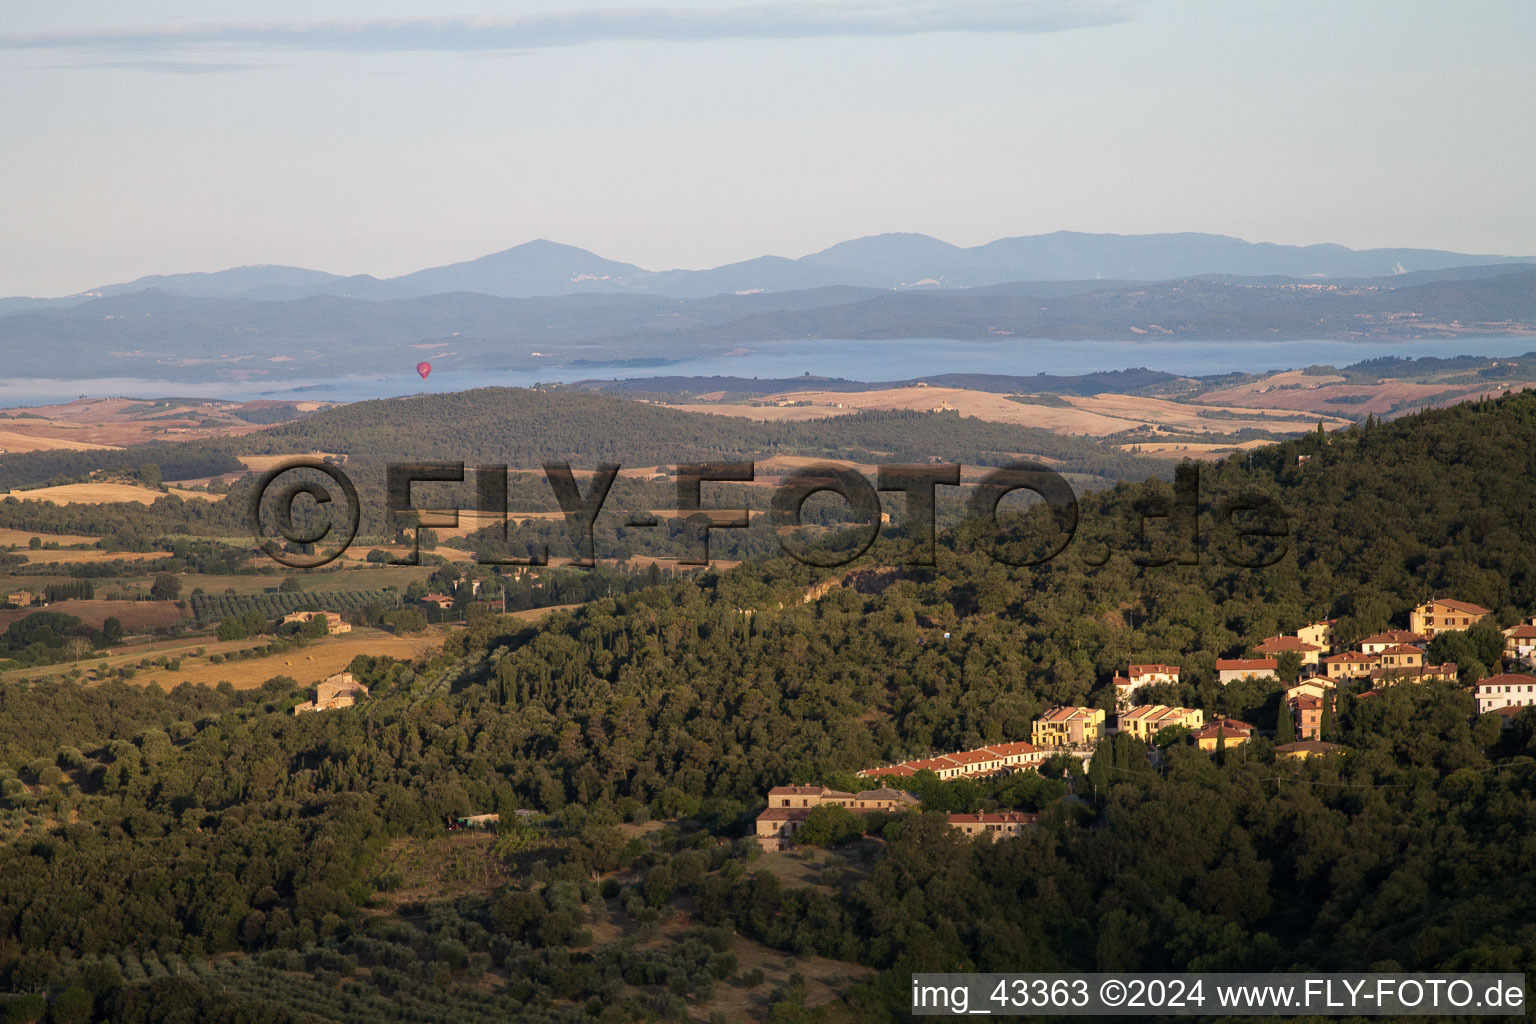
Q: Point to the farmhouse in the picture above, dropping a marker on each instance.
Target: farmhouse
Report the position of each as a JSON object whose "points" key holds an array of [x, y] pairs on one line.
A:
{"points": [[334, 623], [777, 825], [1443, 615], [337, 691], [1231, 670], [20, 598]]}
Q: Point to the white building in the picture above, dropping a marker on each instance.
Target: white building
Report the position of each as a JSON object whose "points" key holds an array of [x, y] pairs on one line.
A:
{"points": [[1507, 690]]}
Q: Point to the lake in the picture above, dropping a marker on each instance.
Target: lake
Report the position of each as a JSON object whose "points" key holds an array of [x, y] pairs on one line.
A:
{"points": [[855, 360]]}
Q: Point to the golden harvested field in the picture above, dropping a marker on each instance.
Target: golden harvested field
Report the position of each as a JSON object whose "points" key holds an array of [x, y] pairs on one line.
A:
{"points": [[770, 413], [119, 422], [23, 537], [12, 441], [262, 463], [1095, 415], [101, 494], [1185, 416], [45, 557], [1190, 450], [308, 665], [1280, 392]]}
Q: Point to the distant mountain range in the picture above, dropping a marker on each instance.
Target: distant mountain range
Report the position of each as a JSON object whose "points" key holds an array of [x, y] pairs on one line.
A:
{"points": [[154, 334], [885, 262]]}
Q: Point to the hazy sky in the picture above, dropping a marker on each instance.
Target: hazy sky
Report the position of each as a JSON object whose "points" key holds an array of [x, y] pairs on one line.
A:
{"points": [[158, 137]]}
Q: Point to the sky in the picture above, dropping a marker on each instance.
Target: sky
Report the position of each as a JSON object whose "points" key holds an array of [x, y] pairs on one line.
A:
{"points": [[165, 136]]}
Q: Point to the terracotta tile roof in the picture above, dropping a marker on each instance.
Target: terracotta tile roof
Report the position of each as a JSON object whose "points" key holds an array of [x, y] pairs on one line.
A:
{"points": [[1155, 713], [886, 793], [1307, 746], [1141, 670], [1401, 649], [1460, 606], [1521, 633], [1245, 664], [972, 757], [1013, 749], [1067, 714], [995, 818], [1396, 636], [1226, 727], [798, 790], [898, 770], [1350, 658], [784, 814], [1281, 644], [1507, 679]]}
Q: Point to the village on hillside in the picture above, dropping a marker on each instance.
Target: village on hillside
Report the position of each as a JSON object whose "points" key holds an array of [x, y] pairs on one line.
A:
{"points": [[1308, 706]]}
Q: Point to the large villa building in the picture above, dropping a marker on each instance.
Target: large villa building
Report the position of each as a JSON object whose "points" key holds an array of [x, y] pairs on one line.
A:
{"points": [[1442, 615]]}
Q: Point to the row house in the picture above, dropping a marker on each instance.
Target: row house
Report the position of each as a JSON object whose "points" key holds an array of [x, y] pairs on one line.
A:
{"points": [[1146, 721], [1443, 615], [1278, 645], [999, 825], [1505, 690], [988, 760], [1068, 727], [1231, 670], [1227, 731]]}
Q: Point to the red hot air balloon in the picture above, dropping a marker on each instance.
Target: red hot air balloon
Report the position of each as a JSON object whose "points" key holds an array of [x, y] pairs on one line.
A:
{"points": [[423, 368]]}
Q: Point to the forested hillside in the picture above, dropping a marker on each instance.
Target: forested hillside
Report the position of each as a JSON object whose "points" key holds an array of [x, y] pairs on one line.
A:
{"points": [[527, 427], [196, 823]]}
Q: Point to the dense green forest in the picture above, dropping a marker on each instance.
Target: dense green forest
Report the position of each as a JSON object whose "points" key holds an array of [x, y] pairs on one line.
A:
{"points": [[206, 855]]}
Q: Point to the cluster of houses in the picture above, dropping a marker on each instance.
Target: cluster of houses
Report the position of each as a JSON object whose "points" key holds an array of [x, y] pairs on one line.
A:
{"points": [[1394, 656], [337, 691]]}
